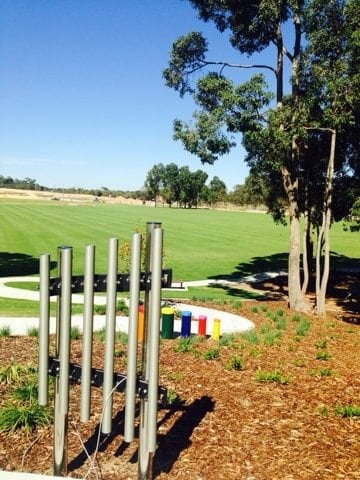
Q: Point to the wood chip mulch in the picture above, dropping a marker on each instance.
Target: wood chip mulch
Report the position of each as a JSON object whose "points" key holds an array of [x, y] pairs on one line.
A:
{"points": [[225, 424]]}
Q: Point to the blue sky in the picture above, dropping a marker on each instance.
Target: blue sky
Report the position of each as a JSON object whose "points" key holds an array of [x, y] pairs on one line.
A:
{"points": [[82, 99]]}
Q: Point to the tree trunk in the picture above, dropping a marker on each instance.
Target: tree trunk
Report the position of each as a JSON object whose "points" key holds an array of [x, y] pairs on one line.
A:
{"points": [[322, 274], [297, 298], [306, 253]]}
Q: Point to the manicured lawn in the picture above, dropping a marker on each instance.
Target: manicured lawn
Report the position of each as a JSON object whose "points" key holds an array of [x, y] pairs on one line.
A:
{"points": [[198, 244]]}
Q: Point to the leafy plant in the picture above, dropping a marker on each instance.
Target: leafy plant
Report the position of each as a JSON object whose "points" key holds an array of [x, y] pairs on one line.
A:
{"points": [[5, 331], [212, 354], [302, 327], [32, 331], [100, 309], [272, 377], [75, 333], [27, 417], [122, 337], [322, 372], [13, 373], [185, 344], [235, 363], [27, 392], [227, 340], [347, 410], [322, 344], [320, 355], [251, 337]]}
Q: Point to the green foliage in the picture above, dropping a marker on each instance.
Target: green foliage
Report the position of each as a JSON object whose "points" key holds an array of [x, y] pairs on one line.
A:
{"points": [[100, 309], [347, 410], [5, 331], [26, 417], [250, 336], [227, 340], [185, 344], [322, 372], [32, 332], [212, 354], [14, 373], [75, 333], [272, 377], [235, 363], [323, 355], [302, 327]]}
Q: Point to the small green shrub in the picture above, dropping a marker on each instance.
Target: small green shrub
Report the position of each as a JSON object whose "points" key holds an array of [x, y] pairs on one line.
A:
{"points": [[251, 337], [271, 337], [185, 344], [75, 333], [32, 331], [322, 372], [100, 334], [347, 411], [302, 327], [254, 309], [122, 307], [212, 354], [100, 309], [26, 417], [27, 392], [322, 344], [5, 331], [320, 355], [227, 340], [14, 373], [235, 363], [122, 337], [272, 377]]}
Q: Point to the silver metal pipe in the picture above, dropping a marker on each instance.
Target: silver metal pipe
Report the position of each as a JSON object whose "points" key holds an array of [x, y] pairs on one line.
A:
{"points": [[154, 337], [63, 316], [44, 317], [130, 394], [110, 334], [87, 333], [145, 457], [65, 326]]}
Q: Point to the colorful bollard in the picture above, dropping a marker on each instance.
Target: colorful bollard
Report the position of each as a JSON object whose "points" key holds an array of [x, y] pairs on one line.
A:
{"points": [[185, 324], [167, 324], [140, 330], [202, 325], [216, 329]]}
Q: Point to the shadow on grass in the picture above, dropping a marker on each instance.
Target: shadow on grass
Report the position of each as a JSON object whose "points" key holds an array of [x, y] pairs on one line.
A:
{"points": [[19, 264], [276, 262]]}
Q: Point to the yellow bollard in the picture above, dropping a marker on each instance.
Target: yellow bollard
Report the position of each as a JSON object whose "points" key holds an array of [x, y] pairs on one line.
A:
{"points": [[216, 329]]}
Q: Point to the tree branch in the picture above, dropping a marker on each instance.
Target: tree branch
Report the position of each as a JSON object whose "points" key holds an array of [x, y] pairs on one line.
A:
{"points": [[230, 65]]}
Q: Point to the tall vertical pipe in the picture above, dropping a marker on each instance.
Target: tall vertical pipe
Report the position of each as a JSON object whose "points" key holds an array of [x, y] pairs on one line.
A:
{"points": [[130, 396], [145, 459], [154, 337], [44, 316], [65, 325], [110, 334], [87, 332], [63, 320]]}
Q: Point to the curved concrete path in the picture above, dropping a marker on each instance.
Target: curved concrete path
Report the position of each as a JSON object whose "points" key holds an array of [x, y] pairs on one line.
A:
{"points": [[20, 325]]}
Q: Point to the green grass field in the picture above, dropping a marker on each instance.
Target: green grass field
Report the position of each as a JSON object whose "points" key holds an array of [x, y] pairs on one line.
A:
{"points": [[198, 244]]}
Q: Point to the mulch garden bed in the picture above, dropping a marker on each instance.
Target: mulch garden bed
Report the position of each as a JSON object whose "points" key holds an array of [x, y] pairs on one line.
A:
{"points": [[281, 404]]}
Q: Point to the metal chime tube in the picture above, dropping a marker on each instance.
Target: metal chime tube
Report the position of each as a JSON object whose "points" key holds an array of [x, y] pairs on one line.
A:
{"points": [[110, 334], [154, 337], [145, 459], [87, 332], [130, 396], [44, 318], [62, 381]]}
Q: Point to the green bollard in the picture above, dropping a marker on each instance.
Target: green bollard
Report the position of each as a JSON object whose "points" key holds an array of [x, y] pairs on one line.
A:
{"points": [[167, 327]]}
